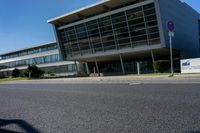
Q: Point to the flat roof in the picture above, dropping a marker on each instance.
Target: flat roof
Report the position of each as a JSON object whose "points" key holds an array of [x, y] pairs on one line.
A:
{"points": [[88, 11], [24, 49]]}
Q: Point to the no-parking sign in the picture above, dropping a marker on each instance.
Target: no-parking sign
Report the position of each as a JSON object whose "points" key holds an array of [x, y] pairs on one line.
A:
{"points": [[171, 25]]}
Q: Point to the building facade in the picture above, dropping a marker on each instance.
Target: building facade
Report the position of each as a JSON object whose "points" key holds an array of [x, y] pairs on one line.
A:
{"points": [[45, 56], [112, 36]]}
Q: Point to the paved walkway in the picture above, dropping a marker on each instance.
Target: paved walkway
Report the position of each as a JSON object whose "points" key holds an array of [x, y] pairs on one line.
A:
{"points": [[160, 79]]}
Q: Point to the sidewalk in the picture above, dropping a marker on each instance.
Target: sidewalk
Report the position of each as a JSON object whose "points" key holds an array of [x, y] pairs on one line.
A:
{"points": [[130, 79], [140, 77]]}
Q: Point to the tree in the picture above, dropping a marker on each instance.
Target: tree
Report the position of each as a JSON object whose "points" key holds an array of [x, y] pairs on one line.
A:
{"points": [[162, 65], [33, 72], [16, 73]]}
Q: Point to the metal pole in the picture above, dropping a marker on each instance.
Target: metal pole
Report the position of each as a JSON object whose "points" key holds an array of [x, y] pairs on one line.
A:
{"points": [[171, 53]]}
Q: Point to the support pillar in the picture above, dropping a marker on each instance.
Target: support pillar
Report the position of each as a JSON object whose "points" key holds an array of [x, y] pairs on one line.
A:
{"points": [[87, 68], [138, 68], [122, 64], [96, 63], [153, 60], [76, 66]]}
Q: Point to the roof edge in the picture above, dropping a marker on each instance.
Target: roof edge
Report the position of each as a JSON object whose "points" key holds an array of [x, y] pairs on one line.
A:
{"points": [[76, 11], [34, 46]]}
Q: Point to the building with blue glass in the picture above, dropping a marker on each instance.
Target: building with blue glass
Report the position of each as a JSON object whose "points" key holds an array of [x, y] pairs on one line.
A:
{"points": [[45, 56], [112, 36]]}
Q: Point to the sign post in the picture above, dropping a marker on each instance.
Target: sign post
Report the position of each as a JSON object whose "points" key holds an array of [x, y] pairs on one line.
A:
{"points": [[171, 28]]}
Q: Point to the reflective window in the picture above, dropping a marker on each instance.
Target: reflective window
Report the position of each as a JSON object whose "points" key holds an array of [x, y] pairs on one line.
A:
{"points": [[199, 35], [199, 28], [26, 62], [31, 51], [127, 29]]}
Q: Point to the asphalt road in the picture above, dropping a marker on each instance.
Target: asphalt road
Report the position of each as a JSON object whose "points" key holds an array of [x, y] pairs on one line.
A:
{"points": [[100, 108]]}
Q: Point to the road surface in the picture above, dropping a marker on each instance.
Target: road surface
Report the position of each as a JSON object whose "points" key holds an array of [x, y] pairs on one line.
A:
{"points": [[100, 108]]}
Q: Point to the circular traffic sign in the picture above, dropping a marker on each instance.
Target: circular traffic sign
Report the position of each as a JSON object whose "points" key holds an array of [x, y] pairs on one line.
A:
{"points": [[171, 26]]}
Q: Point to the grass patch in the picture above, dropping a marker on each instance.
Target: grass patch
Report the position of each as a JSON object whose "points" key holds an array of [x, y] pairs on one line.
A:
{"points": [[163, 74], [12, 79], [153, 74], [189, 73]]}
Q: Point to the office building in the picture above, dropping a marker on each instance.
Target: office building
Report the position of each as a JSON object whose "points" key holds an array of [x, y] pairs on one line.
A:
{"points": [[113, 36], [45, 56]]}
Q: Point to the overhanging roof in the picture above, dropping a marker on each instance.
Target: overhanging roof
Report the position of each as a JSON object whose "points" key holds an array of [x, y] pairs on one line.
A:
{"points": [[35, 46], [88, 11]]}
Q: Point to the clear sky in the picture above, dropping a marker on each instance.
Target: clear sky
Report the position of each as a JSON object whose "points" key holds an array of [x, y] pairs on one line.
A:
{"points": [[23, 23]]}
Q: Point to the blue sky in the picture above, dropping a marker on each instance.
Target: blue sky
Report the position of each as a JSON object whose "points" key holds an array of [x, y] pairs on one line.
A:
{"points": [[23, 23]]}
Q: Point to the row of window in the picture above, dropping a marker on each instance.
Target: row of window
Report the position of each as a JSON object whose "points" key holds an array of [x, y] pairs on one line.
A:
{"points": [[31, 51], [70, 68], [129, 28], [199, 34], [199, 28], [38, 60], [60, 69], [105, 24]]}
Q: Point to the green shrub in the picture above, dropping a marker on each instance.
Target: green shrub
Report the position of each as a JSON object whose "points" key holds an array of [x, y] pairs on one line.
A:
{"points": [[162, 65], [82, 74], [2, 76], [52, 74], [47, 72], [16, 73], [33, 72]]}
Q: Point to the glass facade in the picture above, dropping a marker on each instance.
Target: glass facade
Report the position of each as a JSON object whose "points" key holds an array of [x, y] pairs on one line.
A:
{"points": [[125, 29], [60, 69], [114, 67], [31, 51], [39, 60], [199, 35], [199, 27], [52, 57]]}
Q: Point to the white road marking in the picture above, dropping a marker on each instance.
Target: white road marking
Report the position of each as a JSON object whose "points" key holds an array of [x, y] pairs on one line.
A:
{"points": [[134, 83]]}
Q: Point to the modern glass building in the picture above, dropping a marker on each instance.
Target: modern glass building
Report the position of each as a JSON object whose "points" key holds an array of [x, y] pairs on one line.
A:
{"points": [[111, 36], [45, 56]]}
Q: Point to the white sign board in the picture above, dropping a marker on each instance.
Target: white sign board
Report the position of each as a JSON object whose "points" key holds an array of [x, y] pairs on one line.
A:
{"points": [[190, 65]]}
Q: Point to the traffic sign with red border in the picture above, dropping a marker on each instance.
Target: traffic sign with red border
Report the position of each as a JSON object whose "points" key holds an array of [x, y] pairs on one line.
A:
{"points": [[171, 25]]}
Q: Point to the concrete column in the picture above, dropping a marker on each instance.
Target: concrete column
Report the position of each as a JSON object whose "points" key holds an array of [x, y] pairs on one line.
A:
{"points": [[122, 64], [138, 68], [96, 63], [76, 67], [87, 68]]}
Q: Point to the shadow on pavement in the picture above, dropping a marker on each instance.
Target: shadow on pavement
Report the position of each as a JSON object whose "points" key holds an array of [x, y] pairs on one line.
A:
{"points": [[21, 123]]}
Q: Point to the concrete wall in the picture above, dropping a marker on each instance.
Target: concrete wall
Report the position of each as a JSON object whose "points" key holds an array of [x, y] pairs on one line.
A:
{"points": [[186, 19]]}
